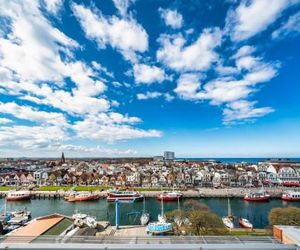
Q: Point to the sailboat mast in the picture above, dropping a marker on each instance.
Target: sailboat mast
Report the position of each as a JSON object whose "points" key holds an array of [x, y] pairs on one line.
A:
{"points": [[162, 207], [144, 205], [229, 207]]}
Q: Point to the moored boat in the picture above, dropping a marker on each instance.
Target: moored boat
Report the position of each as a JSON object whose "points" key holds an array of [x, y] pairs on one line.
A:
{"points": [[244, 223], [227, 220], [291, 196], [170, 196], [18, 196], [291, 184], [257, 196], [82, 196], [113, 195]]}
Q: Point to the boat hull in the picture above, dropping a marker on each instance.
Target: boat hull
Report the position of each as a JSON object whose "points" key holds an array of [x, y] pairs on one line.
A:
{"points": [[243, 225], [168, 198], [286, 198], [80, 199], [124, 198], [20, 198], [257, 199]]}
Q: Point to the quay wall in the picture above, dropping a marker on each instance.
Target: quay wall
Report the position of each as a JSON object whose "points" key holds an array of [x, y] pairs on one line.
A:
{"points": [[199, 193]]}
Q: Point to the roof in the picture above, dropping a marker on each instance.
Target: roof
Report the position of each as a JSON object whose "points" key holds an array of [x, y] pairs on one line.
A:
{"points": [[36, 228]]}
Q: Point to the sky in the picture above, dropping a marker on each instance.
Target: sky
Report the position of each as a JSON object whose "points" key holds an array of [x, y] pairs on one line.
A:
{"points": [[115, 78]]}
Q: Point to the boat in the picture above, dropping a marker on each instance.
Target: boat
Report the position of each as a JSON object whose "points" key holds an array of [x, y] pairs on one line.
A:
{"points": [[18, 196], [145, 217], [82, 196], [244, 223], [291, 196], [228, 220], [81, 220], [257, 196], [161, 226], [19, 217], [291, 184], [170, 196], [113, 195]]}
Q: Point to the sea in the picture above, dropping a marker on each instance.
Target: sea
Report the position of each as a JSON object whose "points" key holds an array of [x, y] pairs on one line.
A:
{"points": [[256, 212], [239, 160]]}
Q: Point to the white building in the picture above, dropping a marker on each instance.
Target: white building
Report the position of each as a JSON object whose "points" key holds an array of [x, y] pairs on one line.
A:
{"points": [[169, 156]]}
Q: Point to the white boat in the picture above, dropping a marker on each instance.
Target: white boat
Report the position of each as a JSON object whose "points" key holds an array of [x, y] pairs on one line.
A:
{"points": [[245, 223], [145, 217], [18, 195], [228, 222], [82, 220], [161, 226]]}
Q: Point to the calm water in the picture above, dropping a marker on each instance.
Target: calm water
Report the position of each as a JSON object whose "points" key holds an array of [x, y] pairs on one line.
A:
{"points": [[236, 160], [257, 213]]}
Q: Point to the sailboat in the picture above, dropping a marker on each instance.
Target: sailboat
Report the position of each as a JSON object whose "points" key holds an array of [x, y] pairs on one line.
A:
{"points": [[145, 216], [161, 226], [228, 220]]}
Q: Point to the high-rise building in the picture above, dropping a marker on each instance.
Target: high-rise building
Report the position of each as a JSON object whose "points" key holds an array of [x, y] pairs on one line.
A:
{"points": [[169, 156]]}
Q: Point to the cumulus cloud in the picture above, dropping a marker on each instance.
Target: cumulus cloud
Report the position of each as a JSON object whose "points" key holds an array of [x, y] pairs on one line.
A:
{"points": [[122, 6], [53, 6], [291, 27], [253, 17], [242, 110], [171, 18], [198, 56], [148, 74], [31, 114], [125, 35], [154, 95], [96, 128]]}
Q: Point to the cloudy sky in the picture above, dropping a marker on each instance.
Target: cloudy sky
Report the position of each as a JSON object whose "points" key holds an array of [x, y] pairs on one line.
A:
{"points": [[137, 77]]}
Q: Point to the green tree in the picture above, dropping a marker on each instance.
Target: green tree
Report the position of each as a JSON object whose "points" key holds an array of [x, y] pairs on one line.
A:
{"points": [[190, 205], [206, 223], [285, 216]]}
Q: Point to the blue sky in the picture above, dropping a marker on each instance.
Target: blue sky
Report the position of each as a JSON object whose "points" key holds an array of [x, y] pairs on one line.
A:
{"points": [[136, 78]]}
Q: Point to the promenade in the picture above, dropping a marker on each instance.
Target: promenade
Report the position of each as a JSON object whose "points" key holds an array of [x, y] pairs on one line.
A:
{"points": [[275, 192]]}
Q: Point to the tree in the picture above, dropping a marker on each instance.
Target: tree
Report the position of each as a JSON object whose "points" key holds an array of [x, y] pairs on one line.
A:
{"points": [[206, 223], [197, 219], [285, 216]]}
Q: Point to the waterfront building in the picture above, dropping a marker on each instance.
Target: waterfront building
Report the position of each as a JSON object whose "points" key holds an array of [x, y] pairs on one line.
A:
{"points": [[169, 156]]}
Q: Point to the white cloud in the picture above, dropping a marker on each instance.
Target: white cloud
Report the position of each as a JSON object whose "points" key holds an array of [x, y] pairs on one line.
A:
{"points": [[172, 18], [244, 51], [53, 6], [292, 26], [187, 86], [5, 120], [154, 95], [110, 129], [122, 6], [148, 74], [242, 110], [253, 17], [125, 35], [31, 114], [196, 56], [30, 138]]}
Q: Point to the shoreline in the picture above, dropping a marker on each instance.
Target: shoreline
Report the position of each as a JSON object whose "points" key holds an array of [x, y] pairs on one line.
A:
{"points": [[200, 193]]}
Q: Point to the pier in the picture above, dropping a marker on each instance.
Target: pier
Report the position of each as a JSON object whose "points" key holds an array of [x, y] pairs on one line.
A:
{"points": [[275, 192]]}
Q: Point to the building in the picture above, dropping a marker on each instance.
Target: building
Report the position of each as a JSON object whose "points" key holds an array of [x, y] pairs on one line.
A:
{"points": [[287, 234], [169, 156]]}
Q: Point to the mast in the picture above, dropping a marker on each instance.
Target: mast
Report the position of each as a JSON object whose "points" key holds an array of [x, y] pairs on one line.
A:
{"points": [[162, 207], [144, 205], [229, 207]]}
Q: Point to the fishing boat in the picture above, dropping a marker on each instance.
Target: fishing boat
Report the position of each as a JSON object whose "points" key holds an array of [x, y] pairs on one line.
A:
{"points": [[113, 195], [18, 196], [257, 196], [145, 217], [291, 196], [161, 226], [228, 220], [170, 196], [244, 223], [82, 196]]}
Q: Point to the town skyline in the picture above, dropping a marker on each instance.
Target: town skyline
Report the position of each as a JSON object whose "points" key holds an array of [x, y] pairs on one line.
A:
{"points": [[125, 78]]}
